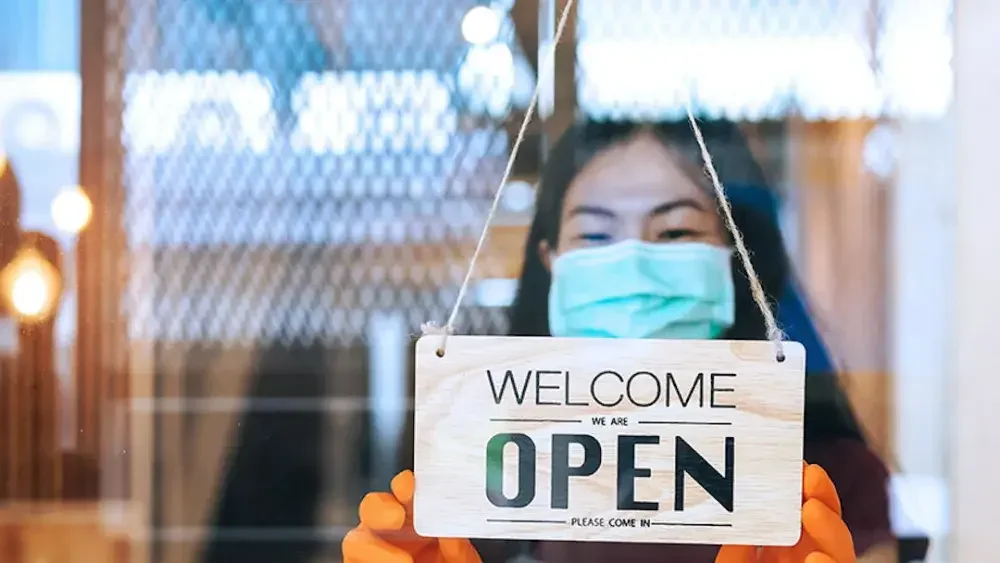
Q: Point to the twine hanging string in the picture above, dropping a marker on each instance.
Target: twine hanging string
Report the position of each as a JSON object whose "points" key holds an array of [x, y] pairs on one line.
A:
{"points": [[449, 327], [774, 333]]}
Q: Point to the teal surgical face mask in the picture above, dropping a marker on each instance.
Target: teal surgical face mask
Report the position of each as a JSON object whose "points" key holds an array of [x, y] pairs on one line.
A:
{"points": [[636, 289]]}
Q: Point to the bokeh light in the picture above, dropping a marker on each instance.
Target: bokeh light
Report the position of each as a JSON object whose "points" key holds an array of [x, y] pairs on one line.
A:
{"points": [[29, 293], [30, 285], [72, 210], [481, 25]]}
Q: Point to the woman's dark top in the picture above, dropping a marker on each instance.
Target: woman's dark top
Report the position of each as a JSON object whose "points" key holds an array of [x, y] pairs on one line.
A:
{"points": [[859, 475]]}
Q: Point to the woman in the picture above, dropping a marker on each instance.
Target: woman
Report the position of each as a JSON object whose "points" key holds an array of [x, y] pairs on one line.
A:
{"points": [[628, 197]]}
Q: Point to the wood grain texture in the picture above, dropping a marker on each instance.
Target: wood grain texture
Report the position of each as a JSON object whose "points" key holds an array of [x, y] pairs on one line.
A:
{"points": [[457, 414]]}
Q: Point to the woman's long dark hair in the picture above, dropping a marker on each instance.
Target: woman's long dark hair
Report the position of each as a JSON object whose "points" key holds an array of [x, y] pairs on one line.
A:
{"points": [[828, 412]]}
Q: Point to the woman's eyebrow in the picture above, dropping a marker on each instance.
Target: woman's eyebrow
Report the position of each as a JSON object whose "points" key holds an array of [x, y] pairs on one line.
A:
{"points": [[676, 204], [591, 210]]}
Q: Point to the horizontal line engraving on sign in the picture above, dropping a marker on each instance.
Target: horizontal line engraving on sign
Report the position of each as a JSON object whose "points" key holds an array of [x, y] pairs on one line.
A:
{"points": [[684, 423], [609, 440], [522, 521], [555, 420], [693, 524]]}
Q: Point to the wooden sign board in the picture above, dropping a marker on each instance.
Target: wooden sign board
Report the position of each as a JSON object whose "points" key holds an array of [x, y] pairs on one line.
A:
{"points": [[651, 441]]}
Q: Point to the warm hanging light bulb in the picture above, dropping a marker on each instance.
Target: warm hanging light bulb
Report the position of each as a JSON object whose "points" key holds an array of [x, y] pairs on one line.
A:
{"points": [[29, 293], [30, 285]]}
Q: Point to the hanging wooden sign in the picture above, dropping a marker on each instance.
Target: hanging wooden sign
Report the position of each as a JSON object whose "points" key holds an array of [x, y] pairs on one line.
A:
{"points": [[652, 441]]}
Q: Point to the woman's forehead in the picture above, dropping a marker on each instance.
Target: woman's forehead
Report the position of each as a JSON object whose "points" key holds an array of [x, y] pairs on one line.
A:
{"points": [[640, 167]]}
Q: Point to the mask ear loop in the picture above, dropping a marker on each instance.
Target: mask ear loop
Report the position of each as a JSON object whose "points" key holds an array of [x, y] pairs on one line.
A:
{"points": [[774, 333]]}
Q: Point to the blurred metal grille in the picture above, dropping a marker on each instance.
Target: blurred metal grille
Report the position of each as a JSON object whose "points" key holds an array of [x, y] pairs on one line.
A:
{"points": [[292, 167]]}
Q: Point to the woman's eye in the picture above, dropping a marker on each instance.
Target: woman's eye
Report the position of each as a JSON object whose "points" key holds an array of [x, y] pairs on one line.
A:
{"points": [[679, 234], [594, 237]]}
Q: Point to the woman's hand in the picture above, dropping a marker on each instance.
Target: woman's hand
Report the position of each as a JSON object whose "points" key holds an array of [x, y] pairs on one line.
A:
{"points": [[386, 533], [825, 537]]}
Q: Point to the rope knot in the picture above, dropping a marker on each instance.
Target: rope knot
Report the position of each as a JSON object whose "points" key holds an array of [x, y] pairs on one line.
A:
{"points": [[431, 328]]}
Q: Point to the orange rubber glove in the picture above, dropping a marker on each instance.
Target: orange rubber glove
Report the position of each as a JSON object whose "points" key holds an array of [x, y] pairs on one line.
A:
{"points": [[386, 533], [825, 537]]}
